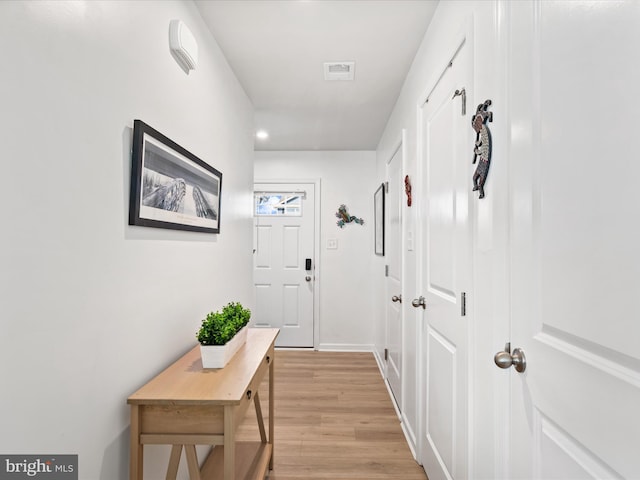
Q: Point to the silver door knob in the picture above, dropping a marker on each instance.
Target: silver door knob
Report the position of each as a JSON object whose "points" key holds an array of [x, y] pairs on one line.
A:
{"points": [[307, 278], [396, 298], [504, 359], [419, 302]]}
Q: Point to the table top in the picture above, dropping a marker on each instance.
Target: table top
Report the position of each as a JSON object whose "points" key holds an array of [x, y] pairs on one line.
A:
{"points": [[185, 382]]}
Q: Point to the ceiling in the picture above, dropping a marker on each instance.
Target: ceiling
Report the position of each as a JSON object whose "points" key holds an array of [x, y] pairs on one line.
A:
{"points": [[277, 50]]}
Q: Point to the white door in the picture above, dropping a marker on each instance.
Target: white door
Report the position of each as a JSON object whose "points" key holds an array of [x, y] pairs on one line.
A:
{"points": [[575, 170], [284, 264], [446, 140], [393, 251]]}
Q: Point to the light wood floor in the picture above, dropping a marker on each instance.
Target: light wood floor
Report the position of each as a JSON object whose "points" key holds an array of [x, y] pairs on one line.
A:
{"points": [[334, 420]]}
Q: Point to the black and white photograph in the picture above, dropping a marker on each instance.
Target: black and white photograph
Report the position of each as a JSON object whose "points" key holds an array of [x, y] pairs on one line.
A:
{"points": [[171, 187]]}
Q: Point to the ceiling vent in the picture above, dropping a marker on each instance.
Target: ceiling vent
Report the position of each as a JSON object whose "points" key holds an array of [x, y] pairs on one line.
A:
{"points": [[339, 70]]}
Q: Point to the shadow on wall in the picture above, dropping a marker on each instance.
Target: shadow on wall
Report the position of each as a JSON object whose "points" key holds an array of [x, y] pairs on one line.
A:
{"points": [[115, 462]]}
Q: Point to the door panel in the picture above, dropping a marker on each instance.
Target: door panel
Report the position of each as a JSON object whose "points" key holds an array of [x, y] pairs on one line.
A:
{"points": [[263, 255], [575, 264], [441, 397], [291, 305], [445, 272], [291, 247], [441, 212], [284, 238]]}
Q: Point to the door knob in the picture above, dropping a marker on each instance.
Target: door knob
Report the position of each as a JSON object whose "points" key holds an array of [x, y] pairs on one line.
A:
{"points": [[506, 359], [396, 298], [307, 278], [419, 302]]}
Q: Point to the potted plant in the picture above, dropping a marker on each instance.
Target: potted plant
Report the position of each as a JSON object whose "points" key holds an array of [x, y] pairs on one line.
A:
{"points": [[222, 334]]}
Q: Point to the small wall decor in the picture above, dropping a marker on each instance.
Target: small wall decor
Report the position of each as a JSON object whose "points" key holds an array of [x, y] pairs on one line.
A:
{"points": [[482, 146], [407, 189], [345, 218], [378, 203], [171, 187]]}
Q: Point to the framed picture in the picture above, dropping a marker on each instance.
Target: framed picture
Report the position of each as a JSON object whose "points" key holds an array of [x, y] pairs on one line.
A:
{"points": [[378, 200], [171, 187]]}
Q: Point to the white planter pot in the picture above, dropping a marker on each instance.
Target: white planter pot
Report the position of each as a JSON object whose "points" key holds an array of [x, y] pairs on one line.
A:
{"points": [[217, 356]]}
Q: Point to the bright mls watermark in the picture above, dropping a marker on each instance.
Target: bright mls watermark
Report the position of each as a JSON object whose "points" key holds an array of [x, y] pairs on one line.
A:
{"points": [[49, 467]]}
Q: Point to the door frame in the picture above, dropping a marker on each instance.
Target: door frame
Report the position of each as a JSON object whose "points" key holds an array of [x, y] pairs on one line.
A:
{"points": [[464, 36], [316, 244]]}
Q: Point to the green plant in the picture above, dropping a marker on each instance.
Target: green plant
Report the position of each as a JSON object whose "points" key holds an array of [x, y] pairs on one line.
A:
{"points": [[220, 327]]}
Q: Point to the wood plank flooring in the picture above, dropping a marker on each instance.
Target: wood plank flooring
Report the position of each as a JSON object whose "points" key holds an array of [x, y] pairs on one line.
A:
{"points": [[334, 420]]}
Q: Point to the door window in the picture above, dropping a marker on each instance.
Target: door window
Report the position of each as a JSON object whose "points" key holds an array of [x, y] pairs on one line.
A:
{"points": [[277, 204]]}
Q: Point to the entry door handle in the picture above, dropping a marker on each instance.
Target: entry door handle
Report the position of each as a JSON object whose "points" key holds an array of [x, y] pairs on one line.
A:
{"points": [[396, 298], [419, 302]]}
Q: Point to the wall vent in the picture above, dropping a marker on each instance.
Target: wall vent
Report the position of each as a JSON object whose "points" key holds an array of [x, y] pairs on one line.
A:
{"points": [[339, 70]]}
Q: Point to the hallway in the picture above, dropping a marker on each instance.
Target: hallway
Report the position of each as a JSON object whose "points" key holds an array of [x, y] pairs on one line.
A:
{"points": [[546, 263], [334, 420]]}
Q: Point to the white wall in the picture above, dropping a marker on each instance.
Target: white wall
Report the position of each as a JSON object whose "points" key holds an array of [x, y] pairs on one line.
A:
{"points": [[92, 308], [346, 274], [487, 308]]}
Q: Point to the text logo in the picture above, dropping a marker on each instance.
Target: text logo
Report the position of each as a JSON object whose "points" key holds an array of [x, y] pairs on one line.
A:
{"points": [[43, 467]]}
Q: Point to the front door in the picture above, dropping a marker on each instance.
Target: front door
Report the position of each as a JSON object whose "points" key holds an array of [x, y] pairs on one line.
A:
{"points": [[284, 264], [445, 273], [575, 236], [393, 250]]}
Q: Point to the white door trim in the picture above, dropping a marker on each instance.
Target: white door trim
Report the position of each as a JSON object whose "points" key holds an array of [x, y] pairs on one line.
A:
{"points": [[397, 147], [408, 429], [316, 248]]}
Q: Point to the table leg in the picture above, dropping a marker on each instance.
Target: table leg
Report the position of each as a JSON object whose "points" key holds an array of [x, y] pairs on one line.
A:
{"points": [[136, 457], [192, 462], [271, 408], [174, 462], [229, 443], [256, 401]]}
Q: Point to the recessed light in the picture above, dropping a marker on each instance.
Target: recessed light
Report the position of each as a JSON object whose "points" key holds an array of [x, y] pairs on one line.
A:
{"points": [[262, 134]]}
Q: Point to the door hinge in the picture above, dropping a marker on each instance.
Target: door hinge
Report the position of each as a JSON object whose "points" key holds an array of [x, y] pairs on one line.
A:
{"points": [[386, 187], [463, 304], [386, 270], [461, 93], [386, 354]]}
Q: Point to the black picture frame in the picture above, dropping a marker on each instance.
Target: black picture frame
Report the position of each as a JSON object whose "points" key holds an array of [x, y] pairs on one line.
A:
{"points": [[378, 202], [170, 186]]}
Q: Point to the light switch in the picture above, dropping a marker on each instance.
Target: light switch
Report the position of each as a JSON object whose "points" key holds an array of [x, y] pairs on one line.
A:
{"points": [[332, 244]]}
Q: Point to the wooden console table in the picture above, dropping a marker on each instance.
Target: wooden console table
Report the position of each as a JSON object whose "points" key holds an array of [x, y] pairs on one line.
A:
{"points": [[187, 405]]}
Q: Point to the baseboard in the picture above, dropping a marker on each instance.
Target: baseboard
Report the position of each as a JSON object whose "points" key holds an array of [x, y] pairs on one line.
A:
{"points": [[409, 435], [396, 407], [344, 347], [379, 361], [295, 349]]}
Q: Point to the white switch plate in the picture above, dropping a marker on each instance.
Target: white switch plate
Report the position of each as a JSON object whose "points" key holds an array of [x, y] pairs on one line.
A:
{"points": [[410, 241], [332, 244]]}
